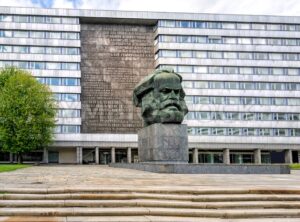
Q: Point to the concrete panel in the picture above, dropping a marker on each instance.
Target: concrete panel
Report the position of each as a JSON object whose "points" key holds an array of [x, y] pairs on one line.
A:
{"points": [[114, 59], [67, 155], [40, 42]]}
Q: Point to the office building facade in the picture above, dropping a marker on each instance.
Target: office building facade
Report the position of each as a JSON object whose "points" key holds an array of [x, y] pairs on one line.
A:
{"points": [[241, 75]]}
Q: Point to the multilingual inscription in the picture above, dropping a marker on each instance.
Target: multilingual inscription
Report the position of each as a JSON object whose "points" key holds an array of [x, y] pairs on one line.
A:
{"points": [[114, 59]]}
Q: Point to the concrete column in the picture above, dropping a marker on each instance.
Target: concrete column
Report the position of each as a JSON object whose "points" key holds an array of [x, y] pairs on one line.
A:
{"points": [[113, 155], [45, 155], [97, 155], [288, 156], [226, 156], [128, 155], [195, 155], [11, 157], [257, 156], [79, 155]]}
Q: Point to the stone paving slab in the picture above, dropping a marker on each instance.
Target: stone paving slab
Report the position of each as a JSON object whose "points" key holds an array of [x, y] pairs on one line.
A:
{"points": [[87, 176]]}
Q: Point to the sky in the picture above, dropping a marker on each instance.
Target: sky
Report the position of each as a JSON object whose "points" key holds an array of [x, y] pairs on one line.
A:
{"points": [[253, 7]]}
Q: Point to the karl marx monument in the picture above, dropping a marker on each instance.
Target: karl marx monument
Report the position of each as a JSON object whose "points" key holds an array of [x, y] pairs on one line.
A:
{"points": [[163, 138]]}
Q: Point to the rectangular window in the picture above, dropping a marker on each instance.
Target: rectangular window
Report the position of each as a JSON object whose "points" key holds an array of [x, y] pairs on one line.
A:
{"points": [[201, 25], [274, 27], [214, 25], [231, 70], [70, 66], [5, 48], [277, 71], [21, 34], [264, 116], [247, 85], [21, 18], [227, 25], [277, 86], [232, 116], [37, 35], [53, 50], [279, 101], [231, 85], [263, 86], [189, 99], [295, 132], [199, 39], [292, 42], [167, 23], [37, 65], [244, 41], [37, 19], [275, 41], [233, 100], [233, 131], [289, 27], [201, 85], [201, 99], [293, 72], [217, 100], [168, 38], [261, 56], [203, 115], [246, 70], [215, 69], [259, 41], [185, 54], [280, 132], [21, 65], [71, 82], [53, 35], [70, 129], [264, 101], [275, 56], [37, 50], [21, 49], [69, 97], [215, 55], [217, 85], [261, 71], [214, 40], [293, 86], [69, 113], [68, 20], [218, 131], [5, 33], [184, 39], [228, 40], [187, 84], [70, 35], [291, 56], [248, 101], [168, 53], [53, 81], [200, 69], [200, 54], [190, 116], [187, 69], [243, 26], [51, 19], [279, 116], [70, 51], [248, 116], [264, 132], [203, 131], [5, 18], [258, 26], [53, 65], [245, 55], [248, 131], [230, 55], [183, 24], [294, 116], [293, 102]]}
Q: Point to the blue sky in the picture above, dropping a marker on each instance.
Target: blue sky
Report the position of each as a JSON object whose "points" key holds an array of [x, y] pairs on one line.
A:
{"points": [[267, 7]]}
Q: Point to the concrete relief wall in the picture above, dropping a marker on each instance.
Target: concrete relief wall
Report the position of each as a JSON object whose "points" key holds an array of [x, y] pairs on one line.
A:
{"points": [[114, 59]]}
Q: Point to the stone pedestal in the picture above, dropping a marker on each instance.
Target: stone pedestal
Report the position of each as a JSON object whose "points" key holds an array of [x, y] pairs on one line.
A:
{"points": [[163, 143]]}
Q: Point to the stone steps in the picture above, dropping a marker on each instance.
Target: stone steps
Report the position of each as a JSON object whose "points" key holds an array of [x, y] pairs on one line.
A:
{"points": [[144, 203]]}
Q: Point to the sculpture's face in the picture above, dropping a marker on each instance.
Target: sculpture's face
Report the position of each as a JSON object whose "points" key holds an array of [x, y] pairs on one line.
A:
{"points": [[165, 103]]}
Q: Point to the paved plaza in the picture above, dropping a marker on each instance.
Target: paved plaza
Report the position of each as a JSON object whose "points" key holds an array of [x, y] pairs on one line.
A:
{"points": [[60, 176]]}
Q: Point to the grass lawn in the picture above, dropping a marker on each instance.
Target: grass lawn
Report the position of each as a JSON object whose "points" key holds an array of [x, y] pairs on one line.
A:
{"points": [[295, 166], [11, 167]]}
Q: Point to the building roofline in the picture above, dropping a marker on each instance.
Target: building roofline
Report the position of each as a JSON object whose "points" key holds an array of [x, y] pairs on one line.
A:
{"points": [[146, 16]]}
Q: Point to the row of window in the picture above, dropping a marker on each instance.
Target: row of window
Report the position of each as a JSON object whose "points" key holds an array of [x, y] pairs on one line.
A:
{"points": [[243, 131], [67, 129], [228, 25], [67, 97], [39, 34], [38, 19], [68, 113], [56, 81], [192, 115], [40, 50], [228, 55], [41, 65], [242, 100], [227, 40], [241, 85], [232, 70]]}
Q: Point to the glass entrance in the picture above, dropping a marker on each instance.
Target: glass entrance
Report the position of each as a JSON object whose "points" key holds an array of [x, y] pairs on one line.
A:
{"points": [[53, 157], [104, 156]]}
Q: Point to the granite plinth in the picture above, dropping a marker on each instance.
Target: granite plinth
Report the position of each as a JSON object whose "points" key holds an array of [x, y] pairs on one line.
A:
{"points": [[206, 168], [167, 143]]}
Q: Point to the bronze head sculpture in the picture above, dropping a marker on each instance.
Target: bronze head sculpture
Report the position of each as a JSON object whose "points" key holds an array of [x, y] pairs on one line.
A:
{"points": [[161, 97]]}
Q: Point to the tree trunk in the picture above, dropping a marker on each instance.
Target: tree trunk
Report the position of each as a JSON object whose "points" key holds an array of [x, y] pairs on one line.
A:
{"points": [[20, 158]]}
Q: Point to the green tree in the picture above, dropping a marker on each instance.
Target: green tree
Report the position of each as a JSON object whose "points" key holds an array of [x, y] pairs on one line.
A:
{"points": [[27, 112]]}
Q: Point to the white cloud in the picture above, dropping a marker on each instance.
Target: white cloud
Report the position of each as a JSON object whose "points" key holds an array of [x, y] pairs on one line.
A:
{"points": [[19, 3], [62, 4]]}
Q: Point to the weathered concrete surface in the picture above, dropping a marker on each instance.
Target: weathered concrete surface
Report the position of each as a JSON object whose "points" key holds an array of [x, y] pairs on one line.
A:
{"points": [[163, 143], [206, 168], [114, 58], [98, 176]]}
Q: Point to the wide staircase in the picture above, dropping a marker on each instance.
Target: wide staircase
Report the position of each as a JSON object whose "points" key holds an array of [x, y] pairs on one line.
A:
{"points": [[148, 204]]}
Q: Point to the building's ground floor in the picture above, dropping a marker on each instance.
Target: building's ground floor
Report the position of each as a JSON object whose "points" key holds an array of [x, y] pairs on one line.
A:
{"points": [[106, 155]]}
